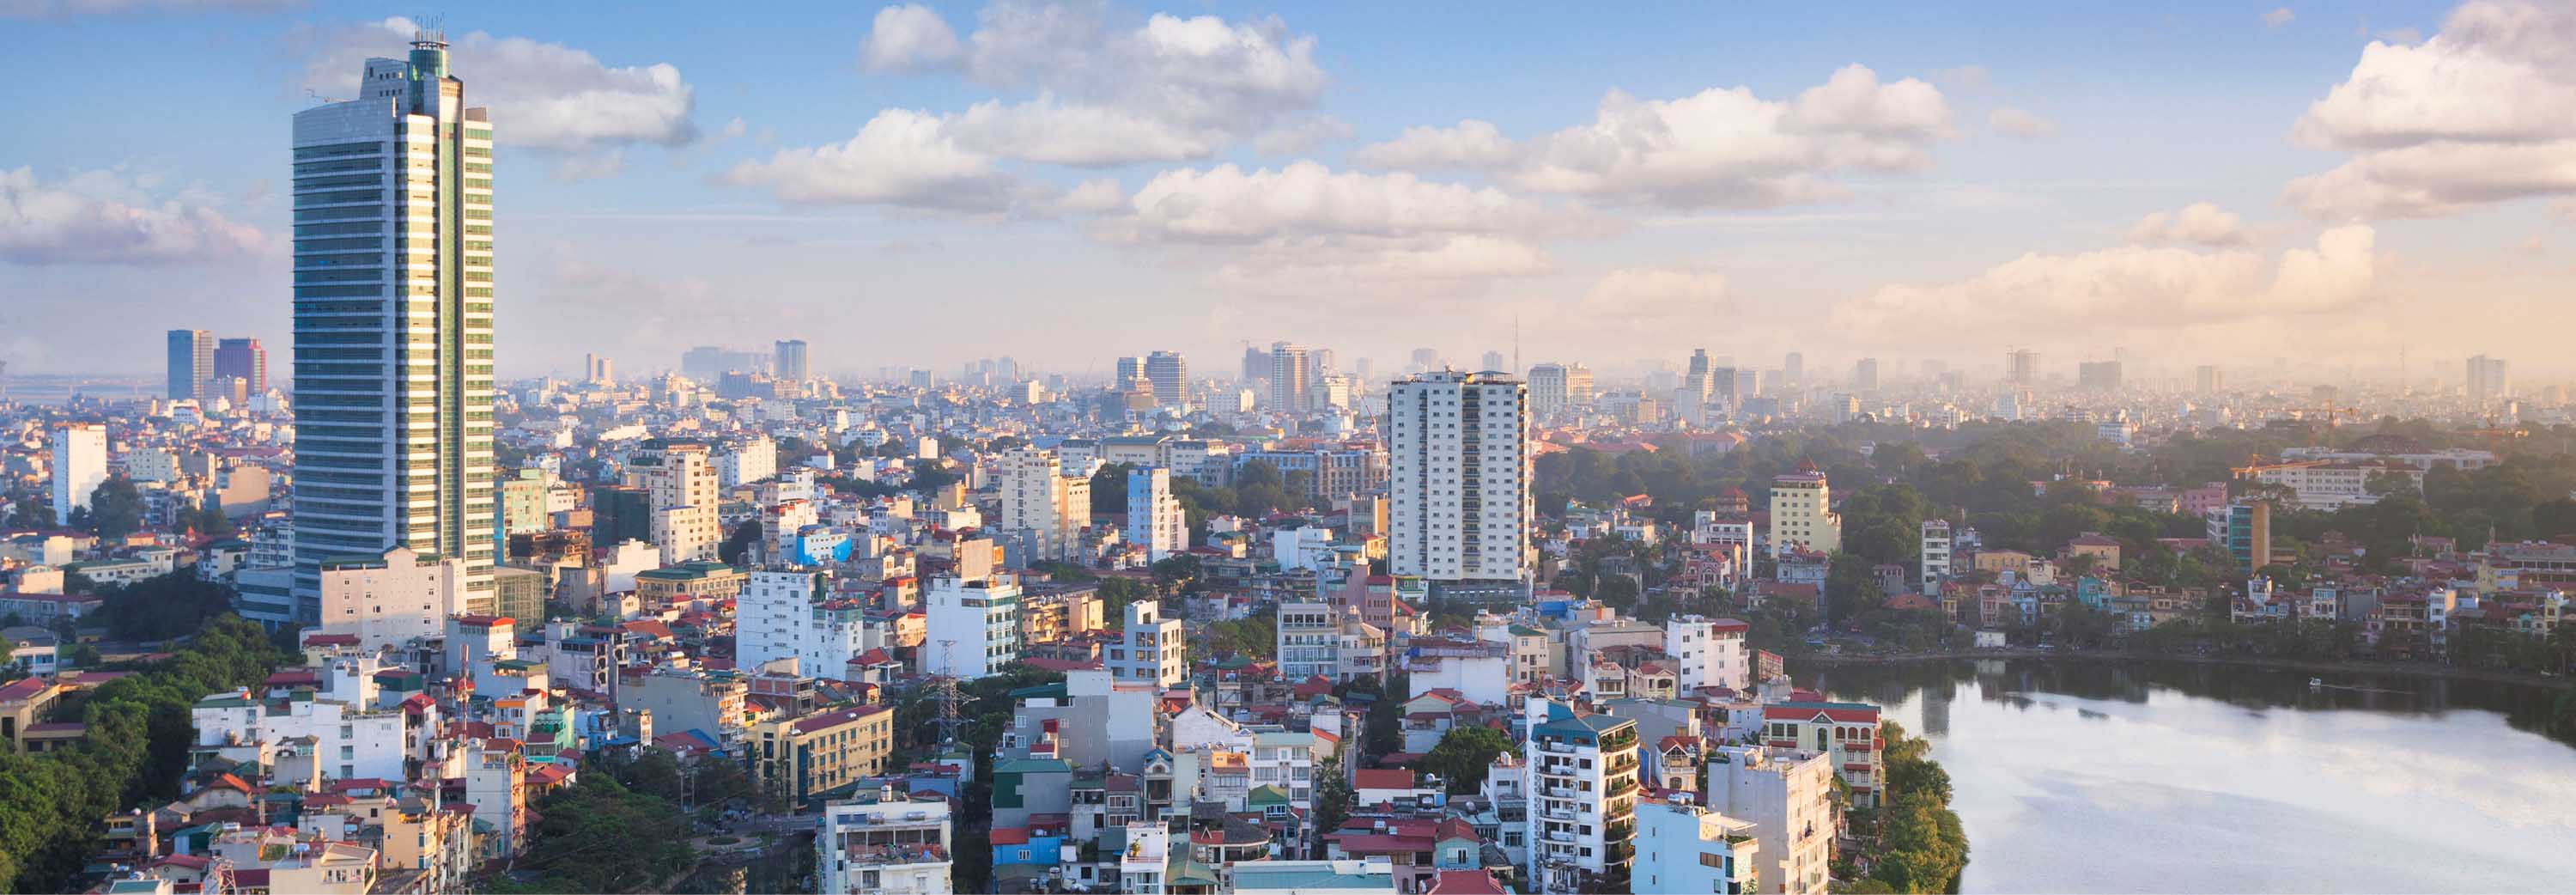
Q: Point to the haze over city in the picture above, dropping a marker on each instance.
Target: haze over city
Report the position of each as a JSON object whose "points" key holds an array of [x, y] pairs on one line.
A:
{"points": [[2196, 183]]}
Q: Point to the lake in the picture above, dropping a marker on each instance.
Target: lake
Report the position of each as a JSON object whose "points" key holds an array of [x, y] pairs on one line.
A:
{"points": [[2076, 775]]}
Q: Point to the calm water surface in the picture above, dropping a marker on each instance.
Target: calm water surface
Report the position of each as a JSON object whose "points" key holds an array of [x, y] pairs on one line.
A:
{"points": [[2084, 776]]}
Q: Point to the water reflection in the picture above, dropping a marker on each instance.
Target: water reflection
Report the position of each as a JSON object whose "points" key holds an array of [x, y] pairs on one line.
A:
{"points": [[2086, 776]]}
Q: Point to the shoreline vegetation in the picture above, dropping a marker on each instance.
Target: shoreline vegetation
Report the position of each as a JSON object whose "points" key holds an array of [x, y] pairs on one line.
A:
{"points": [[2338, 666]]}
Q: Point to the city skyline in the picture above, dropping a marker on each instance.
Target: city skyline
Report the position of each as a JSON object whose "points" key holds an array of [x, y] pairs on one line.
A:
{"points": [[1902, 185]]}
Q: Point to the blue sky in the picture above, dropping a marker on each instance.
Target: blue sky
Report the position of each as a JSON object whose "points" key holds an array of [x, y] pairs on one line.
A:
{"points": [[1197, 176]]}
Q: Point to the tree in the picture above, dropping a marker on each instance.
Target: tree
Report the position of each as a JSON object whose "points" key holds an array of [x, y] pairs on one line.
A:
{"points": [[600, 836], [1463, 756], [1109, 489], [163, 606], [115, 509]]}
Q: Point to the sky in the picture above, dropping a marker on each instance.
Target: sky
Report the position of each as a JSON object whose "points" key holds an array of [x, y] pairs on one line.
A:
{"points": [[2312, 186]]}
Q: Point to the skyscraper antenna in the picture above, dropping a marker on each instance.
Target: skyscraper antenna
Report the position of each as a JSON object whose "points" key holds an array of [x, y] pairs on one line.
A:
{"points": [[1516, 343]]}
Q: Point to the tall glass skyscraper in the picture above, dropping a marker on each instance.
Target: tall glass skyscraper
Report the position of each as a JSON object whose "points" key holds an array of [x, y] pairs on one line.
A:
{"points": [[192, 362], [393, 324]]}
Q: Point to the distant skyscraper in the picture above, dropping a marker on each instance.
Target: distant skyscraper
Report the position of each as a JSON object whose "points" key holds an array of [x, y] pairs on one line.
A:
{"points": [[1865, 374], [1291, 380], [1794, 370], [1130, 375], [598, 370], [2098, 375], [393, 324], [192, 362], [80, 464], [1426, 358], [1494, 363], [1547, 391], [1256, 365], [789, 361], [1154, 519], [2208, 380], [1459, 502], [1169, 373], [245, 360], [2021, 367], [2489, 381]]}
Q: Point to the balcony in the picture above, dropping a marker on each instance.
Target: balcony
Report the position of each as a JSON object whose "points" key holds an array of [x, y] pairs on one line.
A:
{"points": [[1556, 814]]}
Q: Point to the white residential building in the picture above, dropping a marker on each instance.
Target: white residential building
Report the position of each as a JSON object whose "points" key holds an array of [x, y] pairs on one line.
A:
{"points": [[1459, 506], [351, 738], [794, 614], [80, 464], [1154, 518], [1936, 554], [1708, 652], [1788, 796], [1315, 638], [1583, 773], [1044, 504], [742, 464], [393, 599], [1151, 650], [877, 843], [973, 626], [1682, 847], [393, 304], [682, 488]]}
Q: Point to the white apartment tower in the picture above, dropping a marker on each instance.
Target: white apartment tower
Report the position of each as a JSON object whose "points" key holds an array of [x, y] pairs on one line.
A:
{"points": [[1547, 391], [1709, 652], [1459, 507], [881, 844], [80, 464], [1936, 554], [1154, 517], [681, 483], [794, 614], [393, 323], [1583, 786], [1043, 505]]}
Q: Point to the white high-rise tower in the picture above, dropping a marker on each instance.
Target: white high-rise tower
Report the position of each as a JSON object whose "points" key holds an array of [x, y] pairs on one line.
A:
{"points": [[1459, 506], [393, 324]]}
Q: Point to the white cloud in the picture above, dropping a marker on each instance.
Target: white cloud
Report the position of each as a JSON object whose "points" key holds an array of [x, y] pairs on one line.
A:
{"points": [[2200, 223], [1304, 224], [734, 128], [1471, 144], [1109, 92], [909, 37], [2020, 123], [1718, 148], [1092, 197], [1660, 295], [2278, 17], [1300, 134], [2484, 111], [542, 95], [900, 157], [109, 218], [2123, 290]]}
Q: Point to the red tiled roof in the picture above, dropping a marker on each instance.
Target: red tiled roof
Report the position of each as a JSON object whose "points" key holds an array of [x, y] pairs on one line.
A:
{"points": [[1009, 836], [1382, 778], [1464, 882]]}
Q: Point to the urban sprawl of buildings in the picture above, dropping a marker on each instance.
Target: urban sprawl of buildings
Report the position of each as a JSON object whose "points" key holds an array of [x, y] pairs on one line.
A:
{"points": [[496, 586]]}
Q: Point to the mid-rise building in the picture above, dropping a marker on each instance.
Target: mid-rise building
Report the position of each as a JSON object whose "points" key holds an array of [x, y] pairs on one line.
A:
{"points": [[809, 755], [79, 467], [1459, 503], [794, 614], [1044, 505], [681, 485], [1788, 796], [1708, 652], [973, 626], [393, 322], [1154, 518], [1328, 639], [1582, 818], [2244, 528], [879, 843], [2098, 376], [1151, 650], [1936, 554], [2489, 380], [1802, 517], [392, 599], [1291, 379], [1682, 847], [1845, 732]]}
